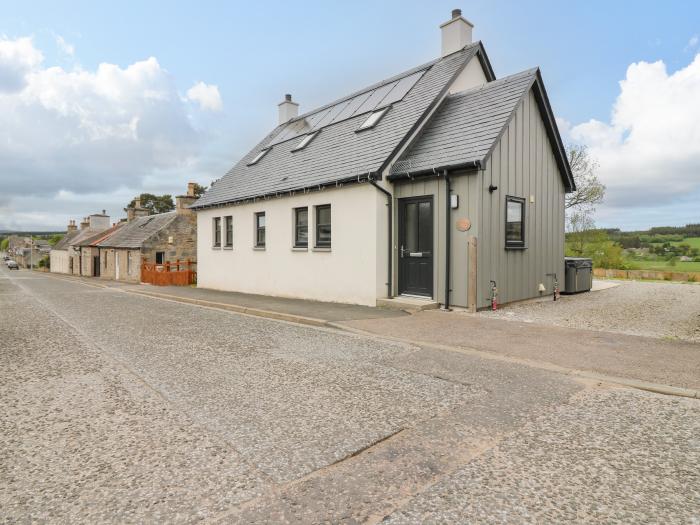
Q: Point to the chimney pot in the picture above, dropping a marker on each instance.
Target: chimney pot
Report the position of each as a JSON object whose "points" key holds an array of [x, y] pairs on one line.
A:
{"points": [[287, 109], [456, 33]]}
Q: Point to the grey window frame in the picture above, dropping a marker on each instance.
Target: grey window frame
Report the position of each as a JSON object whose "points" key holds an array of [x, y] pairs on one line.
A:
{"points": [[216, 232], [259, 156], [259, 228], [371, 121], [228, 228], [317, 226], [511, 244], [297, 242]]}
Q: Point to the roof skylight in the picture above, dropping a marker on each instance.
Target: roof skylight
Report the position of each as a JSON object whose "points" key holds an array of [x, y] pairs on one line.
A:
{"points": [[373, 119], [259, 156], [305, 141]]}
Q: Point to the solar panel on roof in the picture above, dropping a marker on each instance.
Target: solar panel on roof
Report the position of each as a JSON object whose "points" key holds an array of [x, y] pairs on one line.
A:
{"points": [[313, 120], [354, 103], [332, 114], [374, 99], [401, 88]]}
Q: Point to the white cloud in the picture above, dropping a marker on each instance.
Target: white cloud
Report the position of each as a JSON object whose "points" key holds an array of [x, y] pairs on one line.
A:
{"points": [[649, 152], [88, 132], [207, 96], [65, 47], [692, 43], [17, 59]]}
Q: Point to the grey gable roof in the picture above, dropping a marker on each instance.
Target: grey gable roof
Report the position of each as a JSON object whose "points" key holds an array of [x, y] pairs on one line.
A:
{"points": [[468, 125], [65, 241], [339, 154], [134, 233]]}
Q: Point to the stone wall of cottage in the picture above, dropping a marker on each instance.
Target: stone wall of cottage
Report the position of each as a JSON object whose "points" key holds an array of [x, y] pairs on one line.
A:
{"points": [[178, 241], [129, 261]]}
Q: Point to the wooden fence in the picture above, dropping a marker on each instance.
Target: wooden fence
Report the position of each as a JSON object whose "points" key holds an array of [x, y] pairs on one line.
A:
{"points": [[178, 273], [646, 274]]}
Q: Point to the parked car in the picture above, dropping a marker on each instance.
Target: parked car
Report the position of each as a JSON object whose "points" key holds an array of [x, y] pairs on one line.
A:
{"points": [[12, 265]]}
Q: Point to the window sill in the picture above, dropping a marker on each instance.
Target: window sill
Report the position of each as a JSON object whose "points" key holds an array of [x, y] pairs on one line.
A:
{"points": [[228, 247], [322, 249], [516, 247], [300, 249], [216, 247], [259, 248]]}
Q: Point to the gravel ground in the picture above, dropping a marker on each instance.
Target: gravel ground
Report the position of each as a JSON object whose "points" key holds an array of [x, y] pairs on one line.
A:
{"points": [[118, 408], [663, 310]]}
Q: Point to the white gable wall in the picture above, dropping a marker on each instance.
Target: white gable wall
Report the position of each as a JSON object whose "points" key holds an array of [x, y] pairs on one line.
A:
{"points": [[348, 273], [470, 77]]}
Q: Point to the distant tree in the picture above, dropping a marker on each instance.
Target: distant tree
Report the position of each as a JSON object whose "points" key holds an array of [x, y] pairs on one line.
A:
{"points": [[155, 203], [589, 190], [53, 239], [4, 244], [199, 190]]}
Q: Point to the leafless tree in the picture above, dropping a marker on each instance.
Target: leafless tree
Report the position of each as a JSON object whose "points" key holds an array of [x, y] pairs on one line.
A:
{"points": [[589, 190]]}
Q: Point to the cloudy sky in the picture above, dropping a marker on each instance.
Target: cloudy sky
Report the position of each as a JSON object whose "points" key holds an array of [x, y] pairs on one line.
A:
{"points": [[101, 101]]}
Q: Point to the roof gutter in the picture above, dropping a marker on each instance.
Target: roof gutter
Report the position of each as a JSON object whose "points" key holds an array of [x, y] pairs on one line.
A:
{"points": [[364, 177], [435, 171]]}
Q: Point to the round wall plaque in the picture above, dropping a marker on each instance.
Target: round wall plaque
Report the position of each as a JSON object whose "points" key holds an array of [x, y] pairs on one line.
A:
{"points": [[463, 224]]}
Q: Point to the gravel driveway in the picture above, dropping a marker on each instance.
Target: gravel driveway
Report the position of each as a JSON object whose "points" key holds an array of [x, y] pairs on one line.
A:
{"points": [[664, 310]]}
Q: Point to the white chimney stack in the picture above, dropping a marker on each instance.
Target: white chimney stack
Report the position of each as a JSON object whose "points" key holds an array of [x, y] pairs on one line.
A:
{"points": [[456, 33], [288, 109]]}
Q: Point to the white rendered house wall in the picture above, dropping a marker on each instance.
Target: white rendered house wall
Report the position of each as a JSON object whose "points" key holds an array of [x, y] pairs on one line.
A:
{"points": [[347, 272]]}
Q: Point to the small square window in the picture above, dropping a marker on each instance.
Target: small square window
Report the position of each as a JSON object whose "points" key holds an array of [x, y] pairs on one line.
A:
{"points": [[305, 141], [217, 232], [259, 156], [301, 227], [515, 222], [373, 119], [323, 226], [260, 229], [228, 224]]}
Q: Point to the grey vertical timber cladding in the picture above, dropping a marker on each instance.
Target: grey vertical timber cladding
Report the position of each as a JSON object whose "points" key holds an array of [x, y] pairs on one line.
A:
{"points": [[522, 165], [465, 184]]}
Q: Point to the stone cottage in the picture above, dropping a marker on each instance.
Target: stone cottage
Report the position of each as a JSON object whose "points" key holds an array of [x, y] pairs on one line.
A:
{"points": [[159, 239]]}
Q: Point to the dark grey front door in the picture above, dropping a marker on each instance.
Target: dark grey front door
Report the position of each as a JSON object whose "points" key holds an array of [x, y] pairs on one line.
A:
{"points": [[416, 246]]}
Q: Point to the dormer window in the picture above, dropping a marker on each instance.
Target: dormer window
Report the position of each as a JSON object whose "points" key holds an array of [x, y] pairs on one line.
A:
{"points": [[305, 141], [373, 119], [259, 156]]}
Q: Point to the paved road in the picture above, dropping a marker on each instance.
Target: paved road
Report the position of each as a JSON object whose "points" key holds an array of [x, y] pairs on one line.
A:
{"points": [[124, 408]]}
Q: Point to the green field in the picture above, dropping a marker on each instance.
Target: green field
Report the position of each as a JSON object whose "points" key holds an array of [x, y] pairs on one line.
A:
{"points": [[693, 242], [663, 266]]}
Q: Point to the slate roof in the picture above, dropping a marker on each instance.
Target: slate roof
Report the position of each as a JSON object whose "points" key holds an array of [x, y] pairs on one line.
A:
{"points": [[84, 234], [65, 240], [134, 233], [469, 124], [338, 153], [94, 240]]}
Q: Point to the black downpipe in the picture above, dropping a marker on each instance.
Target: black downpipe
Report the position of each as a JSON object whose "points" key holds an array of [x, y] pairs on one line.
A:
{"points": [[448, 238], [389, 200]]}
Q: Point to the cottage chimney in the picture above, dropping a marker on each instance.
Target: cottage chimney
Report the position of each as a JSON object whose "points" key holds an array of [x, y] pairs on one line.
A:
{"points": [[99, 221], [183, 202], [287, 109], [71, 226], [136, 210], [85, 223], [456, 33]]}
